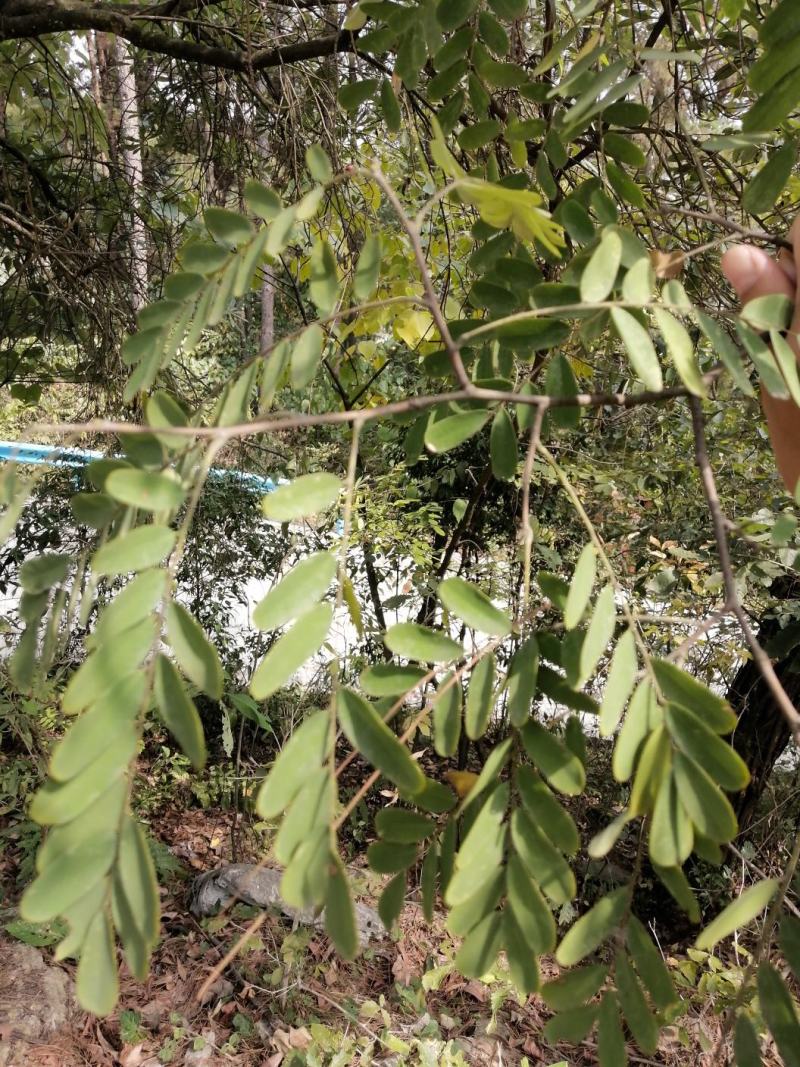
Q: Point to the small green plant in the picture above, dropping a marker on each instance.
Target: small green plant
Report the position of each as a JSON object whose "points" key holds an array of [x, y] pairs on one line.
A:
{"points": [[130, 1027]]}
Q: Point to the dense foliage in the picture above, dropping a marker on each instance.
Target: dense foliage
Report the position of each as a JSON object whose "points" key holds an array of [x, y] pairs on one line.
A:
{"points": [[450, 270]]}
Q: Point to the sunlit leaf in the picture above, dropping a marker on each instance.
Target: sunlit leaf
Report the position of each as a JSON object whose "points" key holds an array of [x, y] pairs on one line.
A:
{"points": [[146, 546], [740, 912], [309, 494], [417, 642], [562, 768], [291, 651], [474, 607], [593, 928], [480, 698], [298, 591], [196, 656], [580, 588], [600, 273]]}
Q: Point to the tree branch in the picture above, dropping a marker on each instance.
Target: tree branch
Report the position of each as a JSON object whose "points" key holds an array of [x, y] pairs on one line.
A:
{"points": [[36, 18]]}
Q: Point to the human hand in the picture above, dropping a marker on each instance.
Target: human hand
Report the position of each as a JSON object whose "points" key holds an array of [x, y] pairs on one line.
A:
{"points": [[753, 273]]}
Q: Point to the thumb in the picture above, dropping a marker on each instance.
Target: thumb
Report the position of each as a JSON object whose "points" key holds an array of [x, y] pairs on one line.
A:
{"points": [[752, 273]]}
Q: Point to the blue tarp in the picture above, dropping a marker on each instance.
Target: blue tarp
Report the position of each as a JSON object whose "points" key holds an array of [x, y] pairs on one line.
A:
{"points": [[55, 456]]}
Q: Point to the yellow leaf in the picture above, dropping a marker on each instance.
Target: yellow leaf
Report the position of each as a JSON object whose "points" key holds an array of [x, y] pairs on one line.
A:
{"points": [[517, 210], [461, 781], [412, 326]]}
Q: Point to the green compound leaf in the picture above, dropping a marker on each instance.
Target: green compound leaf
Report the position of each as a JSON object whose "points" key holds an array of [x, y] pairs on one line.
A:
{"points": [[717, 758], [522, 962], [306, 356], [479, 949], [447, 717], [503, 447], [97, 985], [546, 811], [403, 826], [302, 754], [480, 698], [580, 588], [340, 918], [593, 928], [561, 767], [706, 804], [575, 987], [135, 602], [600, 274], [746, 1046], [473, 607], [641, 1021], [368, 267], [680, 349], [367, 732], [390, 679], [178, 712], [738, 913], [611, 1049], [780, 1013], [291, 651], [94, 731], [144, 547], [465, 916], [640, 349], [308, 495], [387, 857], [391, 900], [762, 191], [545, 864], [68, 877], [523, 672], [573, 1025], [298, 591], [441, 435], [650, 965], [41, 573], [681, 688], [416, 642], [529, 908], [196, 656], [148, 490], [619, 683]]}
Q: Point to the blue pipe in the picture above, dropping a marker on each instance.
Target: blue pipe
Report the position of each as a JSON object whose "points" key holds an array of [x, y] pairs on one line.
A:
{"points": [[55, 456]]}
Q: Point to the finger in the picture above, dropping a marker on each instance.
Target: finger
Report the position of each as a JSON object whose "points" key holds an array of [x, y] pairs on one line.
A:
{"points": [[787, 264], [753, 273], [794, 237]]}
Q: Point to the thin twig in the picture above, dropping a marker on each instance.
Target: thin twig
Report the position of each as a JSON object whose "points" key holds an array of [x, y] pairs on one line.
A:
{"points": [[433, 304], [298, 420], [761, 658]]}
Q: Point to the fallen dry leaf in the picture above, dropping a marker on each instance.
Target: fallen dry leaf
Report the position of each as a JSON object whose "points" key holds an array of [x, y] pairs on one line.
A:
{"points": [[131, 1055], [293, 1038], [403, 971], [667, 265]]}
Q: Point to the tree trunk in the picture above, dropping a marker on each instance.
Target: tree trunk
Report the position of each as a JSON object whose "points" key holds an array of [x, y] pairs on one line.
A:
{"points": [[131, 154], [761, 734]]}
